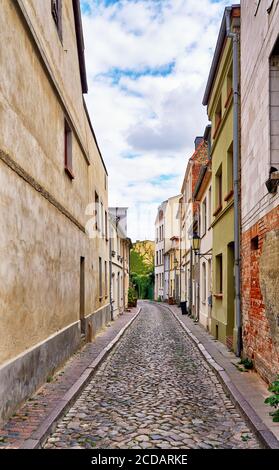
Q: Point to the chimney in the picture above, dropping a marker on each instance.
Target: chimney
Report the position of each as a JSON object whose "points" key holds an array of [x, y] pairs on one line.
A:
{"points": [[198, 140]]}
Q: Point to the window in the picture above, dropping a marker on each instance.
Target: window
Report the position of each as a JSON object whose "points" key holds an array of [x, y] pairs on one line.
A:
{"points": [[106, 225], [203, 282], [68, 157], [230, 168], [157, 236], [255, 243], [112, 234], [209, 286], [229, 83], [56, 11], [209, 206], [219, 274], [97, 212], [219, 190], [218, 115], [106, 279], [204, 217], [156, 258], [100, 279], [102, 219]]}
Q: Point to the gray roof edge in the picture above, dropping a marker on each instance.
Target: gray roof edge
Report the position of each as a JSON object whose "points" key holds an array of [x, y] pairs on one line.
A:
{"points": [[217, 53]]}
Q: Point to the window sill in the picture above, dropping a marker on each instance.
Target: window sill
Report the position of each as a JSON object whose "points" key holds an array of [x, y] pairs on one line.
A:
{"points": [[229, 195], [218, 210], [69, 172]]}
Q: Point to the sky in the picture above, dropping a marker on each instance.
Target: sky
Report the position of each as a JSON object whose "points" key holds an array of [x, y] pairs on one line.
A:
{"points": [[147, 66]]}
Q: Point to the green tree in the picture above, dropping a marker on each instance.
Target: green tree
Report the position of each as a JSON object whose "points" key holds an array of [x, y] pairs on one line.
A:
{"points": [[142, 270]]}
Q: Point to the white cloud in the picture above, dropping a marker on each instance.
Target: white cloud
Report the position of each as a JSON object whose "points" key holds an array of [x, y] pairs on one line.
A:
{"points": [[147, 64]]}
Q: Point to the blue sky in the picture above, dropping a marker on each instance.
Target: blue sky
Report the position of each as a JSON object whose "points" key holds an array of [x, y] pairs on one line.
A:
{"points": [[147, 65]]}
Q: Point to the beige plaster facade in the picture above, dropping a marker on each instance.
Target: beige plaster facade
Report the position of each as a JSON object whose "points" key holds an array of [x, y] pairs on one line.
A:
{"points": [[188, 221], [171, 249], [120, 246], [49, 293], [160, 227], [203, 195]]}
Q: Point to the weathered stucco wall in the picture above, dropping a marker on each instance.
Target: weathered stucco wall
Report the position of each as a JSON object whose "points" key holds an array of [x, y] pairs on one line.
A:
{"points": [[42, 211]]}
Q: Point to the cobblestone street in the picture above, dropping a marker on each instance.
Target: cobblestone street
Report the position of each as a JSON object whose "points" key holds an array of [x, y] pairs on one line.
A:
{"points": [[155, 390]]}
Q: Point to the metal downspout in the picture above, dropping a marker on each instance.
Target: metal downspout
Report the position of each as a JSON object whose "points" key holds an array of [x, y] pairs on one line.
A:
{"points": [[191, 283], [235, 39], [110, 277]]}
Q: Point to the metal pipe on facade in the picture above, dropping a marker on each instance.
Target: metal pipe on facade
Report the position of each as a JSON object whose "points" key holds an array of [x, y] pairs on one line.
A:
{"points": [[191, 283], [110, 278], [235, 40]]}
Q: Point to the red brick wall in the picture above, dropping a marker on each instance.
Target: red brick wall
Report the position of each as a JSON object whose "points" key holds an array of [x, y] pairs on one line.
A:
{"points": [[260, 291]]}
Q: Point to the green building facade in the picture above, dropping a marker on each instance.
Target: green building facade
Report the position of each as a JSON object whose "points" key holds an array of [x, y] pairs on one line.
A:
{"points": [[219, 101]]}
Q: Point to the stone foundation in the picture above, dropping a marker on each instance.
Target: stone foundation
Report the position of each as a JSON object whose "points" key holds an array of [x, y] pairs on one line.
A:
{"points": [[21, 377], [94, 323]]}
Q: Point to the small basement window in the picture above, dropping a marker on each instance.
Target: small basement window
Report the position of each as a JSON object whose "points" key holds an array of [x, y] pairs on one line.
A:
{"points": [[255, 243]]}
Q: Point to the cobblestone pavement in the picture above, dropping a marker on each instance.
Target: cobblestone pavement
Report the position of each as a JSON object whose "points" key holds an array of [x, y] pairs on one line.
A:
{"points": [[35, 411], [155, 390]]}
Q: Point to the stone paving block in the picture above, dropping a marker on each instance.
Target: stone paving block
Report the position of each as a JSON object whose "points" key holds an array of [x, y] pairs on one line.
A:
{"points": [[156, 373], [36, 411]]}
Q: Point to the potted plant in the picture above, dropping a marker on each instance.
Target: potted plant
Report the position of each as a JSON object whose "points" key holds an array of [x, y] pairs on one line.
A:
{"points": [[132, 297]]}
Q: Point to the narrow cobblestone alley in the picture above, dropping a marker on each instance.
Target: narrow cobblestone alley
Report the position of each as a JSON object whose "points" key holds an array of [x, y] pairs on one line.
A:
{"points": [[155, 390]]}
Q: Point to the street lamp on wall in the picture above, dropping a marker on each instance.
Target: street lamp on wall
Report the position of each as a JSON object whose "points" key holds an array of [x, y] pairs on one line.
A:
{"points": [[196, 245]]}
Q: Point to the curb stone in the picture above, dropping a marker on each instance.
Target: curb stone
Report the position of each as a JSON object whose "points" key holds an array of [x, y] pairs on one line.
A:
{"points": [[39, 437], [266, 436]]}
